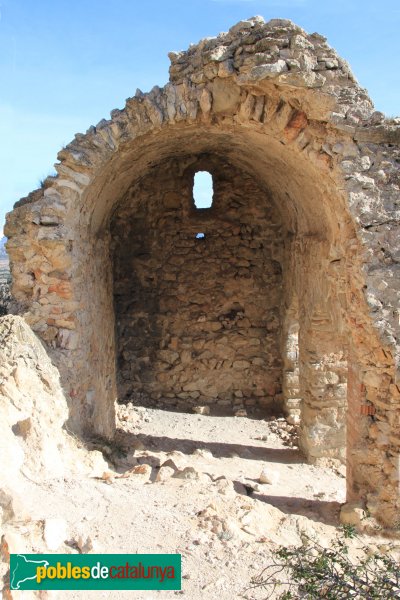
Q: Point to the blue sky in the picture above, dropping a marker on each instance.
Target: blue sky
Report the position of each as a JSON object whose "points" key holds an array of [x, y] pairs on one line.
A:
{"points": [[65, 64]]}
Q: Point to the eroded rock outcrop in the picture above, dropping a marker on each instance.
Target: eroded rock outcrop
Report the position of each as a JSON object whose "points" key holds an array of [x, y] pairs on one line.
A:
{"points": [[33, 411], [35, 447]]}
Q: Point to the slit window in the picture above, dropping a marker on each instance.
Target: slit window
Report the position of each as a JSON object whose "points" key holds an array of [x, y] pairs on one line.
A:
{"points": [[203, 189], [200, 235]]}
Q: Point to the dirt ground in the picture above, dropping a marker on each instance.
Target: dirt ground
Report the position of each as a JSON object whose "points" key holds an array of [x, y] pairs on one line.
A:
{"points": [[206, 503]]}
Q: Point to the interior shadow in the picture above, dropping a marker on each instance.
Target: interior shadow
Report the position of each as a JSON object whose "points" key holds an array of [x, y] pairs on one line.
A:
{"points": [[288, 456], [317, 510]]}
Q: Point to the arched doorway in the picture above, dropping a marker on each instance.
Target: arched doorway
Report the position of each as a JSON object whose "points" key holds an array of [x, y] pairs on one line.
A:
{"points": [[288, 126]]}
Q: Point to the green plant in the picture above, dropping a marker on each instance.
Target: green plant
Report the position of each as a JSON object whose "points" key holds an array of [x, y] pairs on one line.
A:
{"points": [[5, 299], [43, 182], [313, 572]]}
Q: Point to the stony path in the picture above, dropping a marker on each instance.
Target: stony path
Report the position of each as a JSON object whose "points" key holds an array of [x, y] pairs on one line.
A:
{"points": [[217, 515]]}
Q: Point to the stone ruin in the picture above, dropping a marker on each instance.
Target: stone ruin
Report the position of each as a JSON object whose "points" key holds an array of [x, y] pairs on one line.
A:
{"points": [[289, 298]]}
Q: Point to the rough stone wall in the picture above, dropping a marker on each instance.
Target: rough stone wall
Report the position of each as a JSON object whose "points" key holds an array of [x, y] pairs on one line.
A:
{"points": [[290, 355], [280, 105], [323, 388], [198, 319]]}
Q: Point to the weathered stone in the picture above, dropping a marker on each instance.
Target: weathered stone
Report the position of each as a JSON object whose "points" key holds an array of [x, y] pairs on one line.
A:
{"points": [[225, 95], [269, 476], [187, 473], [55, 533], [353, 513], [164, 473], [201, 410], [306, 178], [226, 68], [266, 71], [205, 101], [241, 26], [143, 471], [241, 412]]}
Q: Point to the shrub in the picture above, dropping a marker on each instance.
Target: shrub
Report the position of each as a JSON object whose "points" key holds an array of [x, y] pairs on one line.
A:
{"points": [[313, 572], [5, 298]]}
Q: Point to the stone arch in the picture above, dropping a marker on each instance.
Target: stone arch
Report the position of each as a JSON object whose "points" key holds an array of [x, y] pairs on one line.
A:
{"points": [[281, 106]]}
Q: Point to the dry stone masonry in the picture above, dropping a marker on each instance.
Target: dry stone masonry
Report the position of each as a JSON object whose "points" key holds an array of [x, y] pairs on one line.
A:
{"points": [[291, 298], [197, 291]]}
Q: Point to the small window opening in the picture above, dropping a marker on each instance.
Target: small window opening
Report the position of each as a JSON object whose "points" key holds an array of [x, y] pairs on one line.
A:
{"points": [[200, 235], [203, 189]]}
